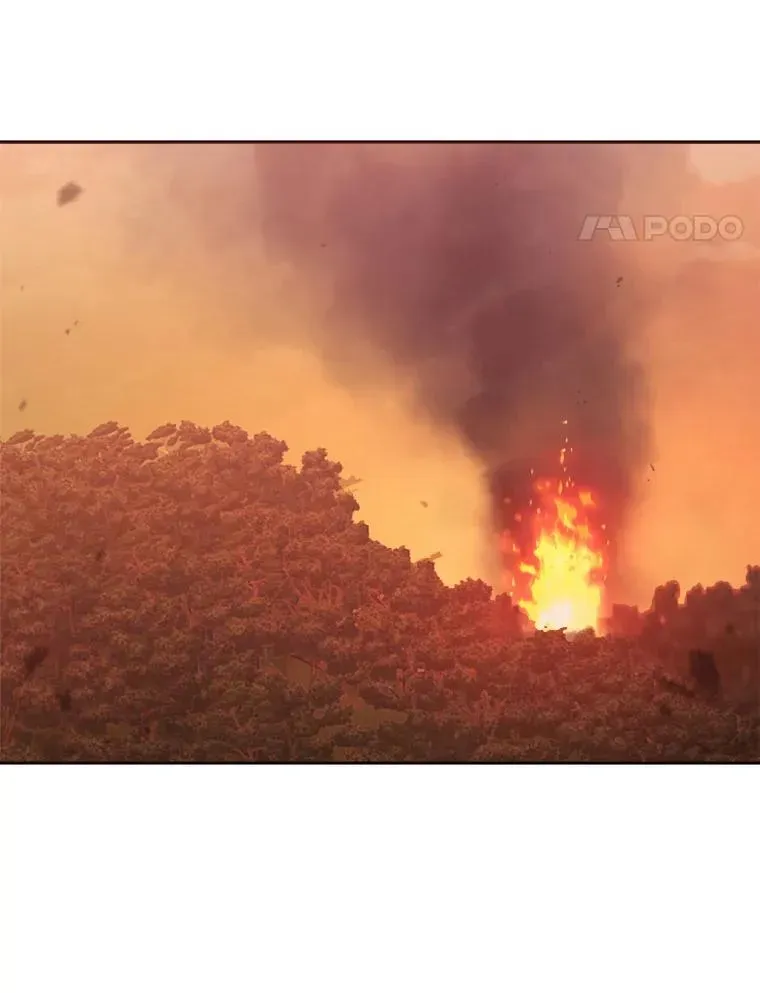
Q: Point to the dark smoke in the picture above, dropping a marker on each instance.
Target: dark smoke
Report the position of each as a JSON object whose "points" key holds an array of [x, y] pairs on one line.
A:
{"points": [[464, 266]]}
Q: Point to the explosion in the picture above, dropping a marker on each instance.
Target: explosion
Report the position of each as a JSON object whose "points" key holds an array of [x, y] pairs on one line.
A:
{"points": [[558, 563]]}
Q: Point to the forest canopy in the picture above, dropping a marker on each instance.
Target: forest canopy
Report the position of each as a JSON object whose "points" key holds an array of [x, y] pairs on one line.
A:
{"points": [[192, 597]]}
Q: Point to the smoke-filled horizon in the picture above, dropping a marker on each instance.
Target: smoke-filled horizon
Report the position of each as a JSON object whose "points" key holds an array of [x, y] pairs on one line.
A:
{"points": [[425, 312]]}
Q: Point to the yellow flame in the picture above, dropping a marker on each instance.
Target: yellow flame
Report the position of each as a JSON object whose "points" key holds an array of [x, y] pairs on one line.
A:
{"points": [[565, 591]]}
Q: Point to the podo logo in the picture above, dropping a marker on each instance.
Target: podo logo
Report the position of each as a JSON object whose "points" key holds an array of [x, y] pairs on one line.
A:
{"points": [[699, 227]]}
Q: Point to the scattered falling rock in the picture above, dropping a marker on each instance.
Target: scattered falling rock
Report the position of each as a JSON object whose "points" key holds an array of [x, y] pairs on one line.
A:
{"points": [[68, 193]]}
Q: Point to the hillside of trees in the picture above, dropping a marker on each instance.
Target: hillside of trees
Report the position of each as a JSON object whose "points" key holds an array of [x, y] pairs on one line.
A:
{"points": [[194, 598]]}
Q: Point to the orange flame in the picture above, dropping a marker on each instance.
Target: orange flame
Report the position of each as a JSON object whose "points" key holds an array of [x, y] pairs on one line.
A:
{"points": [[561, 576]]}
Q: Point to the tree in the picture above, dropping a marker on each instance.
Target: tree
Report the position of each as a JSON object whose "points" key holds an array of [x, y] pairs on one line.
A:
{"points": [[156, 593]]}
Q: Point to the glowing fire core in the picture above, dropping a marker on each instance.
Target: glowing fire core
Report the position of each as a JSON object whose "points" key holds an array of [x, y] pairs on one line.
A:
{"points": [[558, 573]]}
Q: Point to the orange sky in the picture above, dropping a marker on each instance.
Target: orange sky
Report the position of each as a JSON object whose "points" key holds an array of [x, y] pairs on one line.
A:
{"points": [[159, 339]]}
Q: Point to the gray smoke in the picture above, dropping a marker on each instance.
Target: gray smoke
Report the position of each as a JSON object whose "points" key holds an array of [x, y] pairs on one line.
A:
{"points": [[464, 266]]}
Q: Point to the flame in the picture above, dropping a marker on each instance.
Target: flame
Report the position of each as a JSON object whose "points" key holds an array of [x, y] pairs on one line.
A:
{"points": [[558, 574]]}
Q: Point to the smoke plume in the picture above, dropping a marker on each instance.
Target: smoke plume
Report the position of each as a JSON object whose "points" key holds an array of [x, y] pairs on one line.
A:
{"points": [[463, 266]]}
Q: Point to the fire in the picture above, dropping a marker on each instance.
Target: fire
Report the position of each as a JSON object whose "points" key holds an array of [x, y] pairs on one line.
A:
{"points": [[558, 574]]}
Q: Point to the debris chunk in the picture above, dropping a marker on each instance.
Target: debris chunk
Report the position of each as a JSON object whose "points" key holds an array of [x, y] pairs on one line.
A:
{"points": [[68, 193]]}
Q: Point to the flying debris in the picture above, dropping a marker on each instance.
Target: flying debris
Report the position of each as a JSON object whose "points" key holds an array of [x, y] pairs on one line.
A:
{"points": [[431, 558], [351, 481], [22, 406], [424, 503], [68, 193], [651, 467], [619, 281]]}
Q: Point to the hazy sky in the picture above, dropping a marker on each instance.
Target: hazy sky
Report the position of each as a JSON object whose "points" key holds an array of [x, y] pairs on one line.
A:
{"points": [[170, 326]]}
